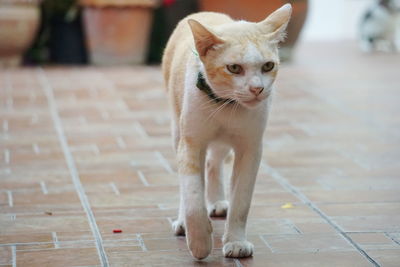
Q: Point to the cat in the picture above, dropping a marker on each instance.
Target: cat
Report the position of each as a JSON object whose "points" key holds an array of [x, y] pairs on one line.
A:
{"points": [[219, 75], [379, 26]]}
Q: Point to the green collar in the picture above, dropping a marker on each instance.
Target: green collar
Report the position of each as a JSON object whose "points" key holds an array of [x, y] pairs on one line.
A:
{"points": [[203, 86]]}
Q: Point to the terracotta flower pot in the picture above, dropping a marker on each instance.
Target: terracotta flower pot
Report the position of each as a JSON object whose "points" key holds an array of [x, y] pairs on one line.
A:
{"points": [[117, 32], [257, 10], [19, 21]]}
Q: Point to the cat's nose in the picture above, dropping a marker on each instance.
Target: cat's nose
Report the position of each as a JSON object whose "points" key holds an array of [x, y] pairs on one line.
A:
{"points": [[256, 90]]}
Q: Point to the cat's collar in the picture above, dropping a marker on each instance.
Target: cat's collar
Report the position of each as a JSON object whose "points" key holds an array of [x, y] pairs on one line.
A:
{"points": [[203, 86]]}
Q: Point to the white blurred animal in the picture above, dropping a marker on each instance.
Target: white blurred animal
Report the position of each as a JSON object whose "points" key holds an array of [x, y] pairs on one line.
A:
{"points": [[380, 27]]}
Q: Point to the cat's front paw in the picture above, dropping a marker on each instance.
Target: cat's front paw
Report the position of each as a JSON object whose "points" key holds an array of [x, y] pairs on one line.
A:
{"points": [[218, 209], [179, 227], [238, 249]]}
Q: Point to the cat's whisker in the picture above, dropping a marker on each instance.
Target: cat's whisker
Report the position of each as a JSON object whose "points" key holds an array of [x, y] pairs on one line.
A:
{"points": [[208, 105], [233, 111], [217, 111]]}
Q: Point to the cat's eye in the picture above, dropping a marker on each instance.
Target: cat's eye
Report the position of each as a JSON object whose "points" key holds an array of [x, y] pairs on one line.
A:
{"points": [[235, 68], [267, 67]]}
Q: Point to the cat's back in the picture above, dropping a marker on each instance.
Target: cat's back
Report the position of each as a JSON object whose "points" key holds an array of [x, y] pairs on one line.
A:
{"points": [[180, 45]]}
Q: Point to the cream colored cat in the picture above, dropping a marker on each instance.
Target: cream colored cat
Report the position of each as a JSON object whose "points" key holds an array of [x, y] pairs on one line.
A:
{"points": [[219, 75]]}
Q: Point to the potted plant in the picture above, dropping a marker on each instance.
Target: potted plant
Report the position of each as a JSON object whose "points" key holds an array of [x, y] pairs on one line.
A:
{"points": [[60, 39], [19, 21], [257, 10], [117, 31], [165, 19], [65, 32]]}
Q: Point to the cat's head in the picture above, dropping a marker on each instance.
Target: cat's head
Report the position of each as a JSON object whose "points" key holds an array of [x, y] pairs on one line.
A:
{"points": [[241, 58]]}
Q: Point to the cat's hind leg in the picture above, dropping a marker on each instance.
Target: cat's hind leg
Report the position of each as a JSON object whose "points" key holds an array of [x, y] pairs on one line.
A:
{"points": [[178, 226], [217, 205]]}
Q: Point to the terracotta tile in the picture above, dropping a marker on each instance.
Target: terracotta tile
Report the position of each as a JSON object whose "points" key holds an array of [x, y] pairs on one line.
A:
{"points": [[174, 258], [385, 257], [347, 258], [58, 257], [29, 237], [161, 178], [140, 195], [117, 251], [27, 225], [298, 211], [133, 226], [174, 243], [394, 236], [307, 243], [75, 235], [5, 255], [368, 223], [120, 178], [135, 212], [361, 209], [273, 197], [318, 226], [29, 247], [354, 196], [65, 199], [373, 241], [4, 199], [259, 226], [75, 244]]}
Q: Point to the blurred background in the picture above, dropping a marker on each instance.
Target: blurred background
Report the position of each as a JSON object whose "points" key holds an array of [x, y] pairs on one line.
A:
{"points": [[124, 32]]}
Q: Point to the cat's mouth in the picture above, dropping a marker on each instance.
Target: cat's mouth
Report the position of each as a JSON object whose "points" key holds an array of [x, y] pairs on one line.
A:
{"points": [[252, 102]]}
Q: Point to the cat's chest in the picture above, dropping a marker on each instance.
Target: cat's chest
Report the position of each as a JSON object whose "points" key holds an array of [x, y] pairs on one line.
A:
{"points": [[231, 128]]}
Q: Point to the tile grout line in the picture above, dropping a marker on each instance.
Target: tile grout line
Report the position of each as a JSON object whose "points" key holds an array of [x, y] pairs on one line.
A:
{"points": [[286, 184], [137, 126], [10, 198], [143, 178], [164, 162], [391, 238], [104, 114], [43, 187], [95, 149], [14, 256], [36, 148], [48, 91], [34, 119], [120, 142], [115, 188], [141, 242], [55, 240], [237, 263], [5, 125], [266, 243], [7, 156]]}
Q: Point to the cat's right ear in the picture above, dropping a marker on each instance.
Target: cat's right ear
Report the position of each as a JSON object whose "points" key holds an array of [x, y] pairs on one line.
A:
{"points": [[274, 26], [204, 38]]}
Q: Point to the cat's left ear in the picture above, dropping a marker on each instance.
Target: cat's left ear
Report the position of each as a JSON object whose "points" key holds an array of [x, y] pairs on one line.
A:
{"points": [[274, 26], [204, 38]]}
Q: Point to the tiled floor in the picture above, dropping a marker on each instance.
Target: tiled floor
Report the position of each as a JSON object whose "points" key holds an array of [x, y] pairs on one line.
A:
{"points": [[84, 151]]}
